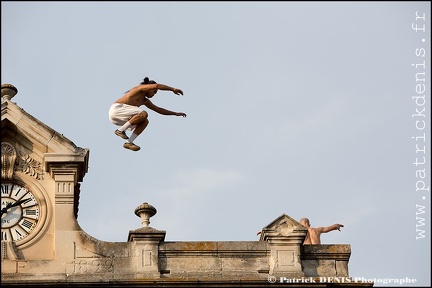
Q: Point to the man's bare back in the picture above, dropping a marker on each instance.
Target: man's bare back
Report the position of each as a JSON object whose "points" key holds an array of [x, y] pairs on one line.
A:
{"points": [[314, 234]]}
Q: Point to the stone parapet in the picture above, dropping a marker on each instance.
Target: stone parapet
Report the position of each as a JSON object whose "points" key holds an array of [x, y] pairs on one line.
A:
{"points": [[214, 259], [326, 260], [278, 258]]}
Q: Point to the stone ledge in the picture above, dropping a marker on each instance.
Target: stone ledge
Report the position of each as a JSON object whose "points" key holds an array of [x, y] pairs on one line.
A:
{"points": [[333, 252]]}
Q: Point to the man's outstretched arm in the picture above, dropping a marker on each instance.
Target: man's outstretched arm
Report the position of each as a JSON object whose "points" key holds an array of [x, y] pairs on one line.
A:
{"points": [[162, 111], [168, 88], [331, 228], [160, 87]]}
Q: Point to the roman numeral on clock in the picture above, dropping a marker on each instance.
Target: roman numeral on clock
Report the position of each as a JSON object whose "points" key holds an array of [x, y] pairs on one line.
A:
{"points": [[18, 234], [27, 224], [5, 189], [30, 212]]}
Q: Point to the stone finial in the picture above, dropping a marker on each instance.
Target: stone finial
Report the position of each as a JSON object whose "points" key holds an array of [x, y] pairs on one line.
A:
{"points": [[145, 211], [8, 91]]}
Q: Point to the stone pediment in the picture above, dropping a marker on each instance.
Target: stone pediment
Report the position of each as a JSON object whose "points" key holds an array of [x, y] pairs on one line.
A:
{"points": [[15, 122], [283, 226], [32, 143]]}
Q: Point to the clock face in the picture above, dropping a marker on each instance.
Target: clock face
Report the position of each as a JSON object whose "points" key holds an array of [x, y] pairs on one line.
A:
{"points": [[19, 212]]}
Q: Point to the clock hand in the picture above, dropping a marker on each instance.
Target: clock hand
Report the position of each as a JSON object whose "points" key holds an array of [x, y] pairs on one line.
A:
{"points": [[10, 205], [19, 202], [4, 209]]}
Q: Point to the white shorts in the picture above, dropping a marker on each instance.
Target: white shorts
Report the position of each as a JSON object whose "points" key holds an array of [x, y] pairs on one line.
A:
{"points": [[120, 113]]}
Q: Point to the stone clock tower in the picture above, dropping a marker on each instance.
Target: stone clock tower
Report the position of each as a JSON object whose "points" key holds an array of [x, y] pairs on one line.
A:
{"points": [[40, 176]]}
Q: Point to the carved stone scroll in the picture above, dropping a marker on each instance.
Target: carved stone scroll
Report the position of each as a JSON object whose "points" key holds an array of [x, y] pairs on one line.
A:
{"points": [[8, 157]]}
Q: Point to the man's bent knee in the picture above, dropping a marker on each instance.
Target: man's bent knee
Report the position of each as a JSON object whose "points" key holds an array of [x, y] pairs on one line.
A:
{"points": [[138, 118], [143, 115]]}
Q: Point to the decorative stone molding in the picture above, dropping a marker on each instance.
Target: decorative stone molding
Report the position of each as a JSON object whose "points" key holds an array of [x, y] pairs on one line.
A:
{"points": [[72, 163], [285, 237], [28, 165], [8, 250], [81, 151], [24, 163], [8, 157]]}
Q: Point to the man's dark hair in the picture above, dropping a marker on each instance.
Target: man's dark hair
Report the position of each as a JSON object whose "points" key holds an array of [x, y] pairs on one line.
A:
{"points": [[147, 81]]}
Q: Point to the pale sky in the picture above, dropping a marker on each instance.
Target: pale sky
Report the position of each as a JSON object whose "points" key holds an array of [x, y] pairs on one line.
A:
{"points": [[302, 108]]}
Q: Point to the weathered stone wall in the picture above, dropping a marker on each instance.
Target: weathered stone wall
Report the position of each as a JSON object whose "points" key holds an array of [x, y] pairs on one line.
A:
{"points": [[147, 259], [214, 259]]}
